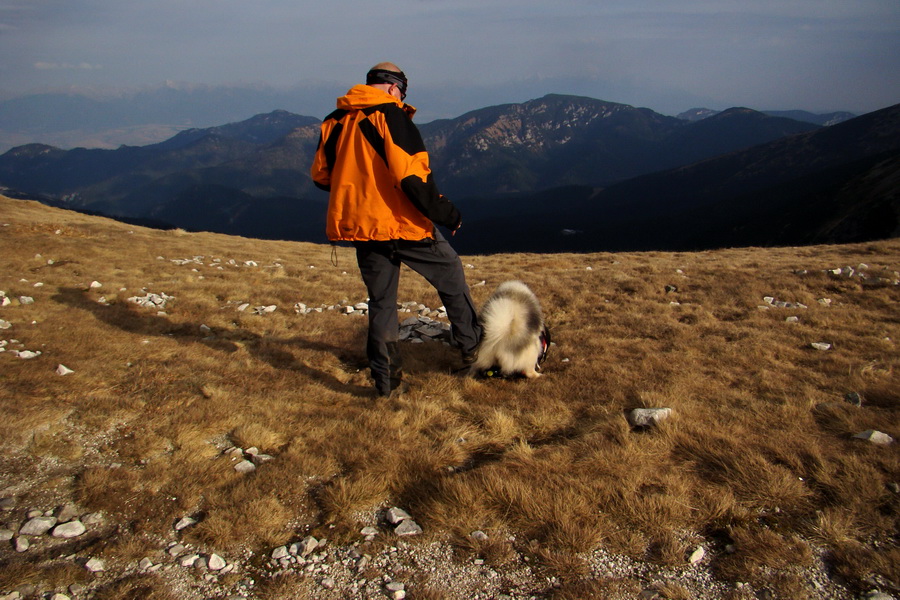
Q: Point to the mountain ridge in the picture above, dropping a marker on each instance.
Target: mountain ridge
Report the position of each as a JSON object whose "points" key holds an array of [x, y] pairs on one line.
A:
{"points": [[550, 141], [824, 119], [498, 163], [98, 119], [784, 192]]}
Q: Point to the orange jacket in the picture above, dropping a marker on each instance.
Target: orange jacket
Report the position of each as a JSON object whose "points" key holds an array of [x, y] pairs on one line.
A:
{"points": [[372, 161]]}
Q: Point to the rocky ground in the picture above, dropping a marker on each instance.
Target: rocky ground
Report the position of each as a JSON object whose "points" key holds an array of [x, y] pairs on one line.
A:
{"points": [[390, 560]]}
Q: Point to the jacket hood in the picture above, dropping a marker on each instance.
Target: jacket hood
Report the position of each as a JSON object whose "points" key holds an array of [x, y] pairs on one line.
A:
{"points": [[363, 96]]}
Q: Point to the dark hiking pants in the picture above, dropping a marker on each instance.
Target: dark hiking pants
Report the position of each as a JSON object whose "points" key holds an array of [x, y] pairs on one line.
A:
{"points": [[379, 264]]}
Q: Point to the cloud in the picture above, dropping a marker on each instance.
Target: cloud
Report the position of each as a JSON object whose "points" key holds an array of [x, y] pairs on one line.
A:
{"points": [[53, 66], [811, 53]]}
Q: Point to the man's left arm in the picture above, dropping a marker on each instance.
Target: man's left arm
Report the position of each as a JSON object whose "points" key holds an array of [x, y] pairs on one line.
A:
{"points": [[408, 160]]}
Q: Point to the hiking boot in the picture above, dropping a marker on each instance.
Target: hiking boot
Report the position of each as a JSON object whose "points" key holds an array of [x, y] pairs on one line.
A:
{"points": [[469, 358], [397, 389]]}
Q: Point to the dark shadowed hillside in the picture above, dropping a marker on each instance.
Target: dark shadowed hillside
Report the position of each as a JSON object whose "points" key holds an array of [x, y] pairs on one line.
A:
{"points": [[566, 140], [833, 184]]}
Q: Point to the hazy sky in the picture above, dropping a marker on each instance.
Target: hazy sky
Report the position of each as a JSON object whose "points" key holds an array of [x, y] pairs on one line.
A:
{"points": [[818, 55]]}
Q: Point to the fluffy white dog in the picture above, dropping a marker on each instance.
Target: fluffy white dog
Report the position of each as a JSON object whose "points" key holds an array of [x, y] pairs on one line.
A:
{"points": [[514, 339]]}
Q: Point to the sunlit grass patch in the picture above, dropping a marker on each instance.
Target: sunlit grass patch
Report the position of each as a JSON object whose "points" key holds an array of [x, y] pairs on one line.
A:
{"points": [[757, 454]]}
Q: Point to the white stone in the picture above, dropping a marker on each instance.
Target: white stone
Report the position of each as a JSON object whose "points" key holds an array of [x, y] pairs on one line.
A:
{"points": [[876, 437], [280, 552], [5, 324], [259, 459], [68, 512], [145, 564], [94, 518], [188, 560], [645, 417], [697, 555], [821, 346], [408, 527], [63, 370], [876, 595], [176, 549], [94, 565], [184, 523], [245, 466], [215, 562], [38, 526], [395, 515], [69, 530], [307, 545], [95, 285], [59, 596], [22, 544]]}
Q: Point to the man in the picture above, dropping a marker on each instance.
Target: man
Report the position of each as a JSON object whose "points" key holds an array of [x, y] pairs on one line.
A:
{"points": [[382, 198]]}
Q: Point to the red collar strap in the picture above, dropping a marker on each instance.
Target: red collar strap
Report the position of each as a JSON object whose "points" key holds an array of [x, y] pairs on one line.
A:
{"points": [[545, 345]]}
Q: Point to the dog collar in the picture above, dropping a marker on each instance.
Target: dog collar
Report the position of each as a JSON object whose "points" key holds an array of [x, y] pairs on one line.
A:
{"points": [[545, 345]]}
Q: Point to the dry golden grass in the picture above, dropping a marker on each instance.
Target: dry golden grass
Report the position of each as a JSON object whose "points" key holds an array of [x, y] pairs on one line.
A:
{"points": [[758, 453]]}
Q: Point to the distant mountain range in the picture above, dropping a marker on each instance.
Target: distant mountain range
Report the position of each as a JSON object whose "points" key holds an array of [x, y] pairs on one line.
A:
{"points": [[698, 114], [838, 184], [107, 119], [146, 116], [556, 173]]}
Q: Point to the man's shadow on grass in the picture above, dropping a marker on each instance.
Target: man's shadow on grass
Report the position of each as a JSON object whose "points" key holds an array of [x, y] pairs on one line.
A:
{"points": [[270, 350]]}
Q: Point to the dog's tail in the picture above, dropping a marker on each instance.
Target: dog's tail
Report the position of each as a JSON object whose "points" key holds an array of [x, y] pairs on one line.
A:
{"points": [[515, 319]]}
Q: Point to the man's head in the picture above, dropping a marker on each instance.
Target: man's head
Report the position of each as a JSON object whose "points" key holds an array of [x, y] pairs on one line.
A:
{"points": [[388, 77]]}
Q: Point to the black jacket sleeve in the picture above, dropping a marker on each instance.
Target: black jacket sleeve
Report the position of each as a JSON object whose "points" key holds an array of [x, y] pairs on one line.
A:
{"points": [[425, 197], [423, 194]]}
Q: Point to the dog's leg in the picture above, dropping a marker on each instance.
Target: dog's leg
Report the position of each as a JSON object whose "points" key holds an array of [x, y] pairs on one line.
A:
{"points": [[531, 374]]}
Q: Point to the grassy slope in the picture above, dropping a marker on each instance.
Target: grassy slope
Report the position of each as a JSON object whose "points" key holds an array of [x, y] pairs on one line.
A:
{"points": [[758, 453]]}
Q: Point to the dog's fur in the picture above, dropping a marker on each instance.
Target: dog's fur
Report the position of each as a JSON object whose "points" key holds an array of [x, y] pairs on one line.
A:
{"points": [[512, 324]]}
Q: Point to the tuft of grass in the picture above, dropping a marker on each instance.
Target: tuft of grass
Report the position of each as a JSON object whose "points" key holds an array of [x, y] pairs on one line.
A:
{"points": [[136, 587], [598, 589]]}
